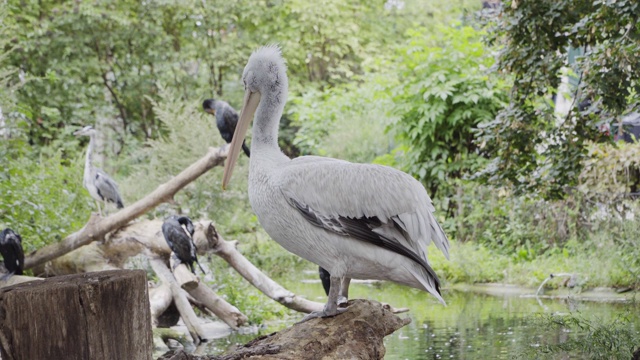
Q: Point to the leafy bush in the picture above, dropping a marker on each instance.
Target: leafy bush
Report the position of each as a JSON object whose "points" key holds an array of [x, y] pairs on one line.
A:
{"points": [[41, 198], [444, 93], [347, 121], [611, 169]]}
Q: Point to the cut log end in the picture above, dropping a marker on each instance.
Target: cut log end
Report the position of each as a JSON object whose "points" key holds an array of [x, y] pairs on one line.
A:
{"points": [[185, 278], [102, 315], [356, 334]]}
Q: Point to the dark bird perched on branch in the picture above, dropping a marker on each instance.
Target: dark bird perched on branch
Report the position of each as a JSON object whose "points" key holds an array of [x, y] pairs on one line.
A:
{"points": [[180, 240], [101, 187], [12, 253], [226, 119]]}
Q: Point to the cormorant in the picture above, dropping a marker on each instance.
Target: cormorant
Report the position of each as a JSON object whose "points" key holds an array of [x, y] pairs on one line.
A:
{"points": [[12, 253], [226, 119], [179, 241]]}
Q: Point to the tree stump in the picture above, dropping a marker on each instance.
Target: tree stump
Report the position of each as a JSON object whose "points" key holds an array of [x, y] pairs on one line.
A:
{"points": [[101, 315], [356, 334]]}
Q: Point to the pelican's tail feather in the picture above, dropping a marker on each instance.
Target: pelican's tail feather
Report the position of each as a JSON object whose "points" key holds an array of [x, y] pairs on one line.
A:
{"points": [[428, 283]]}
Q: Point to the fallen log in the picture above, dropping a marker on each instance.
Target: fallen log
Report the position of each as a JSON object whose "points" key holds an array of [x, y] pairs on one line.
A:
{"points": [[186, 311], [160, 299], [356, 334], [102, 315]]}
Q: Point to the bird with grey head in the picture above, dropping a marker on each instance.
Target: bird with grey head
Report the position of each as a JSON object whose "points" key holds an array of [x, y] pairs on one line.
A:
{"points": [[357, 221], [101, 186], [226, 120]]}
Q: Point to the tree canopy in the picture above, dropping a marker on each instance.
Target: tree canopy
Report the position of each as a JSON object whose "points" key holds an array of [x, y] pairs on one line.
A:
{"points": [[533, 148]]}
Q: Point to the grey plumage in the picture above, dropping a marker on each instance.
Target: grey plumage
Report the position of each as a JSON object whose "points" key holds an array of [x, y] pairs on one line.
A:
{"points": [[354, 220], [101, 187]]}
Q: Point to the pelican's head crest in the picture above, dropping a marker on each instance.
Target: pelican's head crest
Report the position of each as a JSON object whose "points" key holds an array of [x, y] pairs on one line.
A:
{"points": [[266, 71]]}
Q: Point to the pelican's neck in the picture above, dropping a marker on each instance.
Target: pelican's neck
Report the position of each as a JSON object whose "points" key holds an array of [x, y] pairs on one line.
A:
{"points": [[266, 123]]}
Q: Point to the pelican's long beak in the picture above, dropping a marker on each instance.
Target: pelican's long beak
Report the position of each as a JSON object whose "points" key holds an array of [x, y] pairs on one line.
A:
{"points": [[249, 106]]}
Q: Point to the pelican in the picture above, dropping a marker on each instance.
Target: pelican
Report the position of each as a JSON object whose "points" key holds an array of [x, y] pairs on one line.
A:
{"points": [[357, 221], [101, 187]]}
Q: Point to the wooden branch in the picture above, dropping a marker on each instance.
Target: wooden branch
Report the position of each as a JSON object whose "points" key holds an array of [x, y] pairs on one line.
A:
{"points": [[160, 298], [185, 278], [227, 250], [356, 334], [186, 311], [218, 306], [98, 227]]}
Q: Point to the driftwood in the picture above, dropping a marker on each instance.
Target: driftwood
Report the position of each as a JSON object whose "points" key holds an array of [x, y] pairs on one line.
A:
{"points": [[227, 250], [218, 306], [186, 311], [146, 237], [98, 227], [185, 278], [101, 315], [160, 299], [356, 334]]}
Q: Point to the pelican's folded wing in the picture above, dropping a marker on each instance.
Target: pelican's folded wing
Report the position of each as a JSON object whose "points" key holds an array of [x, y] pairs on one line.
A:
{"points": [[340, 192]]}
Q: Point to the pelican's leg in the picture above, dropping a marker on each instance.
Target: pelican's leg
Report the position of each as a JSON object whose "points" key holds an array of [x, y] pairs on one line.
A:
{"points": [[343, 296], [331, 307]]}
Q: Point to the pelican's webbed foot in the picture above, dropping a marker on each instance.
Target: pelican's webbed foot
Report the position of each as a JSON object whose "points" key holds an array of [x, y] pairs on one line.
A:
{"points": [[322, 314]]}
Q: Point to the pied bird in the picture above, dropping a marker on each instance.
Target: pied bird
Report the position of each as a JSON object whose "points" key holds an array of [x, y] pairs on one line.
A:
{"points": [[178, 232], [101, 186], [11, 251], [358, 221], [226, 120]]}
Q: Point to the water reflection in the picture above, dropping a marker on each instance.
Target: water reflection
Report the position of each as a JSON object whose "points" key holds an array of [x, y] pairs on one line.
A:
{"points": [[472, 326]]}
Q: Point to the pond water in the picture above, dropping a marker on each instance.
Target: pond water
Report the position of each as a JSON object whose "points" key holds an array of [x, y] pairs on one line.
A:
{"points": [[471, 326]]}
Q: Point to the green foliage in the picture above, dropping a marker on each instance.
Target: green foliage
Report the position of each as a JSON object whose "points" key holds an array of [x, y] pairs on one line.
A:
{"points": [[445, 93], [41, 197], [610, 169], [188, 134], [533, 149], [346, 121]]}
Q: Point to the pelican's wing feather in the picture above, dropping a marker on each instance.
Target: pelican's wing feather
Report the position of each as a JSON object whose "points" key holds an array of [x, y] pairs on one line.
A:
{"points": [[336, 189], [366, 229]]}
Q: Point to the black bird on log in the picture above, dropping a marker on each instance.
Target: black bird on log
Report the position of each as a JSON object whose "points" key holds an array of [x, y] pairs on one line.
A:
{"points": [[226, 119], [180, 240], [12, 253]]}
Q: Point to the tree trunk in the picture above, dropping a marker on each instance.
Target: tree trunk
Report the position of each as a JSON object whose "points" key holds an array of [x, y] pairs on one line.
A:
{"points": [[103, 315], [355, 334]]}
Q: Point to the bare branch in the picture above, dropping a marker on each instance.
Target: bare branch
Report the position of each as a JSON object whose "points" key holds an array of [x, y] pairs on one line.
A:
{"points": [[227, 251], [179, 298], [98, 227]]}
